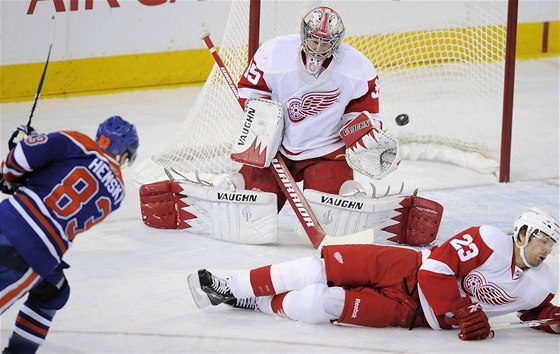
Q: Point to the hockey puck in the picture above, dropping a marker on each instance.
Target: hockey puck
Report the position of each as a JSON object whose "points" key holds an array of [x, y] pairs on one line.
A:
{"points": [[402, 119]]}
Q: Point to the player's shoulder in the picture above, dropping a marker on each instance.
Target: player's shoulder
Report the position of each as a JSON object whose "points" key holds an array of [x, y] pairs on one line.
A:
{"points": [[279, 54], [65, 134], [493, 235], [353, 63], [49, 141], [80, 140], [545, 277], [285, 40]]}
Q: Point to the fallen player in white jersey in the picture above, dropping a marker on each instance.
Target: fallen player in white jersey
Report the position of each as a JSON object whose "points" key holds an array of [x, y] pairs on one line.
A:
{"points": [[479, 273]]}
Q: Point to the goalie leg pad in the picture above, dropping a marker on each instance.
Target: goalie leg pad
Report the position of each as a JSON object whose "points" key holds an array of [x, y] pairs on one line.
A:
{"points": [[241, 216], [418, 222], [158, 205], [343, 215], [409, 220]]}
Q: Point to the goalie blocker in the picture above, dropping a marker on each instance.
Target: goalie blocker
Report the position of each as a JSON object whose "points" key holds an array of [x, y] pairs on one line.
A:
{"points": [[261, 132], [222, 213]]}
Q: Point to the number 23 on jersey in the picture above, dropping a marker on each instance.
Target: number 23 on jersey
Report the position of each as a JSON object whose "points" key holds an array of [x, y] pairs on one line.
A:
{"points": [[465, 247]]}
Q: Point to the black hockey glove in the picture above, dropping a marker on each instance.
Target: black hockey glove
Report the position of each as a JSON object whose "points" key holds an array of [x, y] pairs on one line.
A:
{"points": [[19, 133], [7, 188]]}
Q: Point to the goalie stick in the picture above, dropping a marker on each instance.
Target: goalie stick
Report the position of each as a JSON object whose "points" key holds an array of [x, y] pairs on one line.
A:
{"points": [[283, 177]]}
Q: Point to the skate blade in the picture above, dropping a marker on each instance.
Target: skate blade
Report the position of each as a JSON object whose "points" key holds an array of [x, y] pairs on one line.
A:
{"points": [[200, 298]]}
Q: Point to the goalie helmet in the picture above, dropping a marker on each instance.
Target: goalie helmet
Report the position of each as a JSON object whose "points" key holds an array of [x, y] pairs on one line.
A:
{"points": [[321, 32], [537, 220], [117, 136]]}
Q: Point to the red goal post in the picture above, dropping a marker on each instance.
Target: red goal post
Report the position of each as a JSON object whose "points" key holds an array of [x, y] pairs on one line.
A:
{"points": [[449, 65]]}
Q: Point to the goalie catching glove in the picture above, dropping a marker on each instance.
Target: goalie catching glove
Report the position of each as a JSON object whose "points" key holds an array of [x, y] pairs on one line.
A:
{"points": [[370, 150]]}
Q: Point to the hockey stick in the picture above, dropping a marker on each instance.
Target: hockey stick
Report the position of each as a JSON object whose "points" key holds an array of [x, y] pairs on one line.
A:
{"points": [[285, 180], [42, 80], [527, 324]]}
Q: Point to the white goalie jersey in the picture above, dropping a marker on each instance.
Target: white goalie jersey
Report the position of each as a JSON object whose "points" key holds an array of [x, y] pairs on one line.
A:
{"points": [[315, 109]]}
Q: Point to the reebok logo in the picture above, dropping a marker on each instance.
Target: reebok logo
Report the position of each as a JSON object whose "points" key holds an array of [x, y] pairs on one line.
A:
{"points": [[474, 307], [356, 308]]}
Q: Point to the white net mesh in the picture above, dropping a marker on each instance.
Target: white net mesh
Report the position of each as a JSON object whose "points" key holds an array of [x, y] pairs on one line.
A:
{"points": [[441, 62]]}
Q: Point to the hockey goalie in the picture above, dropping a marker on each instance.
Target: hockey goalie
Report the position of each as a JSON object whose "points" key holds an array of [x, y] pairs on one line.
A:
{"points": [[312, 102], [229, 211]]}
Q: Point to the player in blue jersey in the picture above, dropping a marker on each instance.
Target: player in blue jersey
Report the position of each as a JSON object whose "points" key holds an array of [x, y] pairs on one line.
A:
{"points": [[62, 184]]}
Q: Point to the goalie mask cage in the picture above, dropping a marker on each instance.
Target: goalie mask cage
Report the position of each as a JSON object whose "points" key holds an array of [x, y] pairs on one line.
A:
{"points": [[441, 62]]}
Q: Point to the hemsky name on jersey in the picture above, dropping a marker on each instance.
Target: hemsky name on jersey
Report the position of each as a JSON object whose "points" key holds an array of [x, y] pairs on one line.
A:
{"points": [[106, 176]]}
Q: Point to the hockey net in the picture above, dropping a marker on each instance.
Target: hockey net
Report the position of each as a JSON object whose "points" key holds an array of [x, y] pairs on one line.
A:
{"points": [[441, 62]]}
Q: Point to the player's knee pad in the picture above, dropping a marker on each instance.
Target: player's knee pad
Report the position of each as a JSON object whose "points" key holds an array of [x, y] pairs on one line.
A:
{"points": [[313, 304], [50, 296], [298, 273], [327, 176]]}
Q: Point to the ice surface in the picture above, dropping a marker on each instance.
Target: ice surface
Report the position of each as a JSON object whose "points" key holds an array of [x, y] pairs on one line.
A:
{"points": [[129, 291]]}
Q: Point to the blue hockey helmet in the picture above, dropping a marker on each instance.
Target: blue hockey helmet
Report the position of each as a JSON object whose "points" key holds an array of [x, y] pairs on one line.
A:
{"points": [[117, 136]]}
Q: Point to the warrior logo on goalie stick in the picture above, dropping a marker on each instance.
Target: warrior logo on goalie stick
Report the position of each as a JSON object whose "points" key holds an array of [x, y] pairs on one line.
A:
{"points": [[292, 193]]}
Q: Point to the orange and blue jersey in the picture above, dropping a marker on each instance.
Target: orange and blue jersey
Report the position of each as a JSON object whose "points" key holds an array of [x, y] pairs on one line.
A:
{"points": [[68, 184]]}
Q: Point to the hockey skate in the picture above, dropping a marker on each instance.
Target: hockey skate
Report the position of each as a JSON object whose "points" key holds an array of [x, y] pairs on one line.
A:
{"points": [[208, 289], [249, 303], [215, 287]]}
